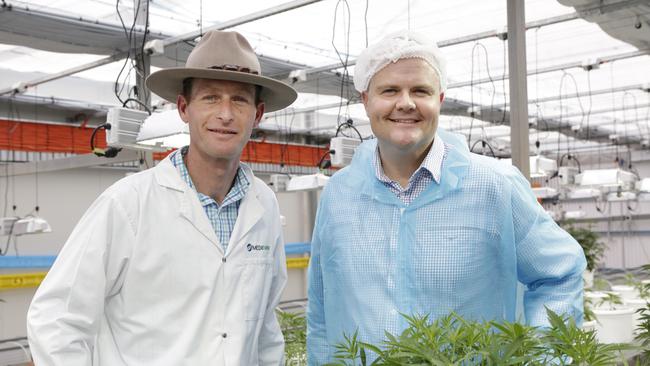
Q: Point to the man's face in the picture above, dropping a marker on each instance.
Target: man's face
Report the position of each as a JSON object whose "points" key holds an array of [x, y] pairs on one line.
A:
{"points": [[403, 103], [221, 116]]}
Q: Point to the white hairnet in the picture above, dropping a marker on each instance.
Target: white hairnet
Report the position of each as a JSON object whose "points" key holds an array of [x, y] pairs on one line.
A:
{"points": [[396, 46]]}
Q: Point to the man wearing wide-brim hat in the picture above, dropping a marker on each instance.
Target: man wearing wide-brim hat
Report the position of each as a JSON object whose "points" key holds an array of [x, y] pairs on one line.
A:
{"points": [[182, 264]]}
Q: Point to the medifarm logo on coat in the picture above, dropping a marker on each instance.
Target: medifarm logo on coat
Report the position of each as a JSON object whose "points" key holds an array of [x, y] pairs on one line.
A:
{"points": [[251, 247]]}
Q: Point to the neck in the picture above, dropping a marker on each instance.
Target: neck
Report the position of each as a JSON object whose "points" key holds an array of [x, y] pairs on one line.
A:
{"points": [[212, 177], [399, 165]]}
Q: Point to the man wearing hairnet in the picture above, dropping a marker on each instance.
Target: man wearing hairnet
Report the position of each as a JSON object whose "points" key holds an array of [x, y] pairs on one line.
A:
{"points": [[419, 225]]}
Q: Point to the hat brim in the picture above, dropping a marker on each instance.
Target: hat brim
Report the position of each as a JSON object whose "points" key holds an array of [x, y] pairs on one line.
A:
{"points": [[167, 83]]}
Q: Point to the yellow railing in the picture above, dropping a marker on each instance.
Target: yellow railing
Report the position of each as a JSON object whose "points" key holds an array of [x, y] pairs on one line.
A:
{"points": [[34, 279], [21, 280]]}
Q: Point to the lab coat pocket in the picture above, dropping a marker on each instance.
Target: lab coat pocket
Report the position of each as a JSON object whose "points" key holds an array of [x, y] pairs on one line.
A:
{"points": [[257, 285]]}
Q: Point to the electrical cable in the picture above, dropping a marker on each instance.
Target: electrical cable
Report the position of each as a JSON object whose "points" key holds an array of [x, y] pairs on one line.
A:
{"points": [[129, 38], [138, 102], [572, 78], [348, 124], [328, 163], [110, 152], [615, 141], [492, 84], [484, 144], [11, 232], [344, 63], [365, 21]]}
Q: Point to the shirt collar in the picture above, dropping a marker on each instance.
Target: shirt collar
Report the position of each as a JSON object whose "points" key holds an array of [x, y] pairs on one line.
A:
{"points": [[237, 191], [432, 162]]}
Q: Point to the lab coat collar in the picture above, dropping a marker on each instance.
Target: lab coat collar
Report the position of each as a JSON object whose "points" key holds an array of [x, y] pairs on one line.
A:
{"points": [[454, 168], [251, 209]]}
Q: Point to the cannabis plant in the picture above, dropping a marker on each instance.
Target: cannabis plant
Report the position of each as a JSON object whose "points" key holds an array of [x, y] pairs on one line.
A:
{"points": [[588, 240], [294, 330], [570, 345], [452, 340], [643, 332]]}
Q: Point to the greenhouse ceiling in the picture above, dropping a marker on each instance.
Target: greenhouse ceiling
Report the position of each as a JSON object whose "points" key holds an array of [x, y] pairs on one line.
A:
{"points": [[587, 61]]}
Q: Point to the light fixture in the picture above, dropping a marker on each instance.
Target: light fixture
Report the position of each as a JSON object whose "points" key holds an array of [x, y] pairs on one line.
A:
{"points": [[545, 192], [164, 129], [572, 215], [578, 193], [540, 166], [607, 179], [643, 185], [26, 225], [621, 196], [307, 182]]}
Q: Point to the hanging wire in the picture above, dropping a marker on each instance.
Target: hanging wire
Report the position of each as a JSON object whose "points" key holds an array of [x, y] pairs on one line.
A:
{"points": [[365, 21], [636, 113], [590, 102], [344, 62], [611, 74], [487, 66], [129, 38], [503, 81], [537, 107]]}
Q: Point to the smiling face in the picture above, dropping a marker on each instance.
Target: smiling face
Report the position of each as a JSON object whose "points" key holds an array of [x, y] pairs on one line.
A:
{"points": [[403, 104], [221, 116]]}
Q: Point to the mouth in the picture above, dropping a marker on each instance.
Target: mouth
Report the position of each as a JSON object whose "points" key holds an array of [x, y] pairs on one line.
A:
{"points": [[222, 131], [404, 120]]}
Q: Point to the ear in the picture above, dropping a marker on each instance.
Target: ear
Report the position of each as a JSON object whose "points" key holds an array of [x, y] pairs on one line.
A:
{"points": [[364, 99], [181, 104], [259, 112], [442, 96]]}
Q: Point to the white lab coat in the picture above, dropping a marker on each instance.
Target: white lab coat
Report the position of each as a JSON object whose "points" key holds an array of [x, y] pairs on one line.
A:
{"points": [[143, 280]]}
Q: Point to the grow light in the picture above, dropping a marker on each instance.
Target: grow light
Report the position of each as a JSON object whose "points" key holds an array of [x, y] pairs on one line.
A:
{"points": [[545, 192], [540, 166], [643, 185], [165, 129], [307, 182], [621, 196], [606, 178], [584, 193], [577, 214]]}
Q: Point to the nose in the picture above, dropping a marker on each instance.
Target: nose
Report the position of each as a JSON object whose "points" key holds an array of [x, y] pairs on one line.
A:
{"points": [[405, 102], [225, 112]]}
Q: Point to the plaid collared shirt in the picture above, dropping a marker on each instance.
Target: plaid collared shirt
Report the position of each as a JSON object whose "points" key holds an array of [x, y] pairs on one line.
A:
{"points": [[222, 217], [428, 171]]}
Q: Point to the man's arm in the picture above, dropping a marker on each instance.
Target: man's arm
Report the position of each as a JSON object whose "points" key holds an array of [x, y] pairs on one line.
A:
{"points": [[317, 346], [549, 261], [271, 342], [64, 315]]}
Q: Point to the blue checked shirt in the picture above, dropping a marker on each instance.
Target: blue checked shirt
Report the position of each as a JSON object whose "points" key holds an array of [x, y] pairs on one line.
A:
{"points": [[222, 217], [428, 171]]}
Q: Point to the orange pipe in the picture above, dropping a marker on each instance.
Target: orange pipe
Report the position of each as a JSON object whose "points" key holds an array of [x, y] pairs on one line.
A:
{"points": [[39, 137]]}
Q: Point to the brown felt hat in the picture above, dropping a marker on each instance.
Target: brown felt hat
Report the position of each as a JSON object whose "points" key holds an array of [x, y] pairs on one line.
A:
{"points": [[222, 56]]}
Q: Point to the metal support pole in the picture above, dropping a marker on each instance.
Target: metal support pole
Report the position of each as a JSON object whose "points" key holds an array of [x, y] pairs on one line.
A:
{"points": [[142, 59], [518, 86]]}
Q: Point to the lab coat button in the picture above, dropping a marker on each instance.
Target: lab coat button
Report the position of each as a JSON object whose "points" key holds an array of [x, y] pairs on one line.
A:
{"points": [[223, 259], [225, 335]]}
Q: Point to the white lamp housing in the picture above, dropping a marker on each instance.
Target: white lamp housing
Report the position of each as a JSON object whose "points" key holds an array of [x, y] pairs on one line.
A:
{"points": [[643, 185], [545, 192], [605, 178], [307, 182], [577, 214], [621, 196], [31, 225], [165, 130], [578, 193], [343, 149]]}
